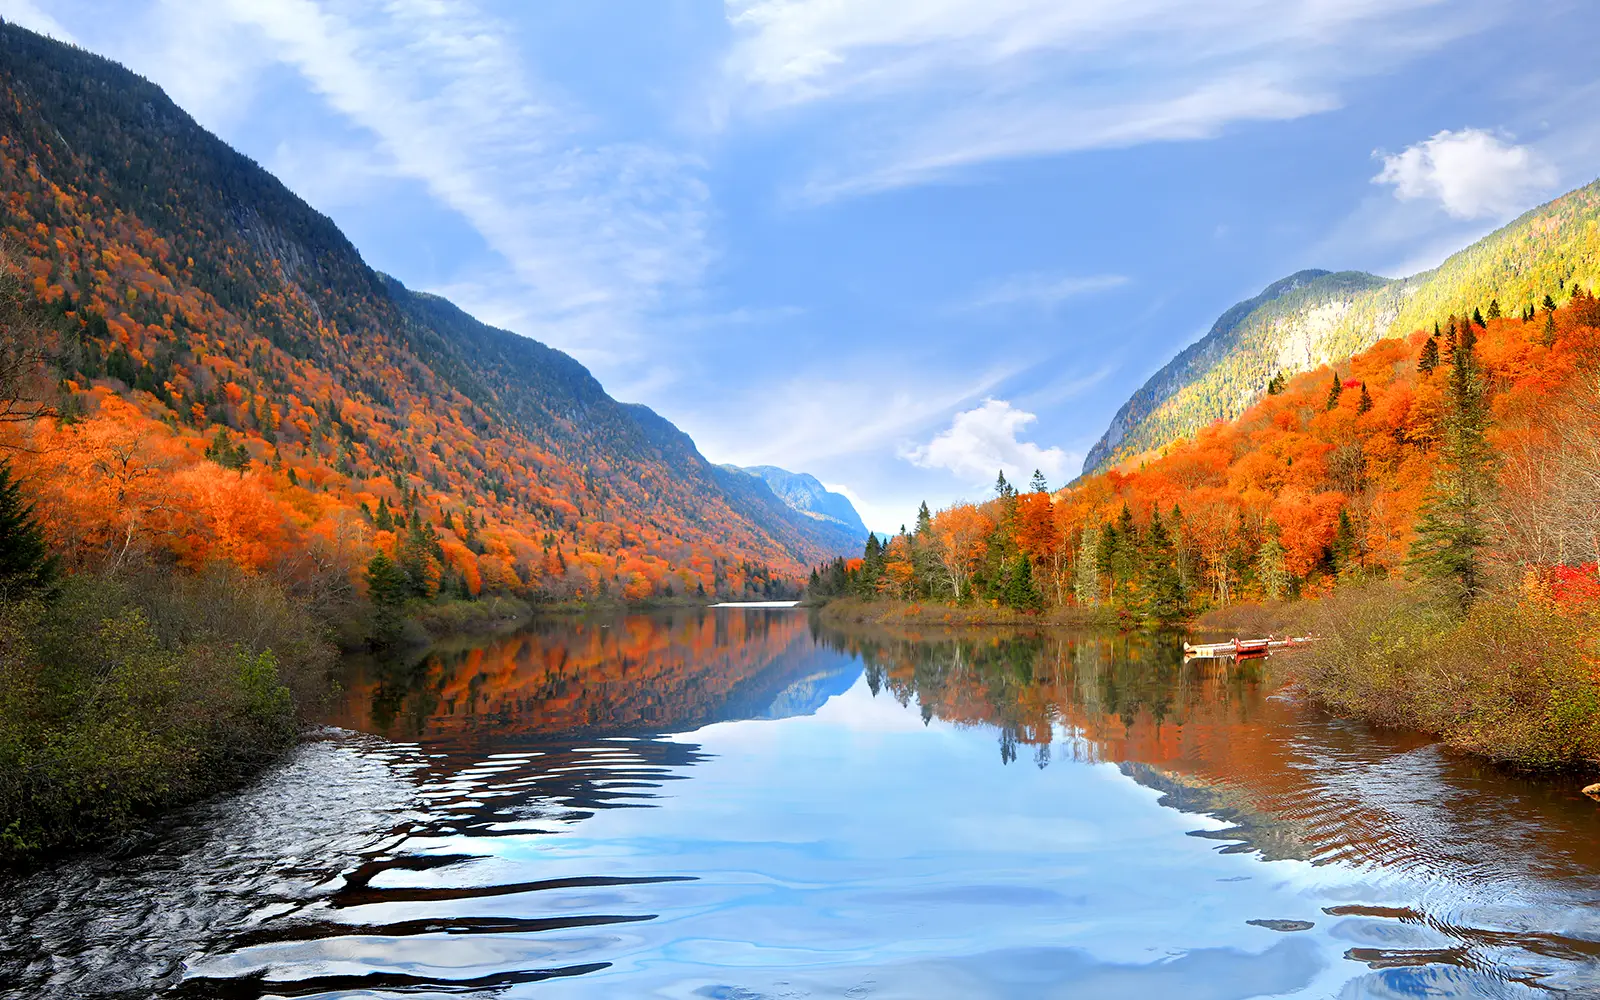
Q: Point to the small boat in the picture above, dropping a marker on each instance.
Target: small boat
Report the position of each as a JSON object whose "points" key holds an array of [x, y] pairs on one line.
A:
{"points": [[1235, 648]]}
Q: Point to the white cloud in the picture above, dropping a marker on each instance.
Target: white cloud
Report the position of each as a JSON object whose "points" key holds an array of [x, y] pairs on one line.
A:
{"points": [[1473, 174], [982, 441], [593, 232], [815, 416], [885, 519], [929, 88], [27, 14], [1041, 290]]}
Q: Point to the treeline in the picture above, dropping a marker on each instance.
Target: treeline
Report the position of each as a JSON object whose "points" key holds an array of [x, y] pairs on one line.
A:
{"points": [[1458, 454]]}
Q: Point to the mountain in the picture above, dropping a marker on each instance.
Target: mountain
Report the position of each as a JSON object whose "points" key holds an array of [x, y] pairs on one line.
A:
{"points": [[804, 494], [1314, 318], [201, 311]]}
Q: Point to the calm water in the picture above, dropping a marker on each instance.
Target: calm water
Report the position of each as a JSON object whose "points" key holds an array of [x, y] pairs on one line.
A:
{"points": [[737, 805]]}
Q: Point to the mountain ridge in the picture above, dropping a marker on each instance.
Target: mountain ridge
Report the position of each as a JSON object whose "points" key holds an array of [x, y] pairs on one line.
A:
{"points": [[184, 281], [1332, 316]]}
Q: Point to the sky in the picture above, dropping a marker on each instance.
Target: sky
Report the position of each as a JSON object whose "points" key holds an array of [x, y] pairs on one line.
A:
{"points": [[899, 246]]}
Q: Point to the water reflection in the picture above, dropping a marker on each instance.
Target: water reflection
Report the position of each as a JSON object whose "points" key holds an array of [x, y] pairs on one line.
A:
{"points": [[846, 813], [621, 674]]}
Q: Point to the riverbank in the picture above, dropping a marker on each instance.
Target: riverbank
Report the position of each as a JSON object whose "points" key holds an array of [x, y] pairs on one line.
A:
{"points": [[851, 611], [1513, 679], [124, 697]]}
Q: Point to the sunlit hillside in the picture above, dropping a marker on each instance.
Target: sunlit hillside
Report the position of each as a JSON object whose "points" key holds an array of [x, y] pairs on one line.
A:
{"points": [[230, 381], [1314, 319]]}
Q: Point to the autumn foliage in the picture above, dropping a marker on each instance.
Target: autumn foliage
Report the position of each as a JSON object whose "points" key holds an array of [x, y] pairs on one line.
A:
{"points": [[1320, 480]]}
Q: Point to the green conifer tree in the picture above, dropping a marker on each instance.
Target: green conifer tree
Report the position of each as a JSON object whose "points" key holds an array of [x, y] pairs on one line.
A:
{"points": [[1428, 360], [1161, 586], [387, 589], [1334, 392], [1451, 531], [1086, 574], [1365, 403], [1020, 592], [26, 566], [1494, 309], [1039, 484], [1272, 569]]}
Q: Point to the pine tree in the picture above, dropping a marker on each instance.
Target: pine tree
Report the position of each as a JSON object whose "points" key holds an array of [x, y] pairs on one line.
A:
{"points": [[1429, 358], [1020, 592], [26, 566], [924, 521], [387, 588], [1271, 567], [1164, 599], [1344, 549], [1365, 404], [1334, 392], [1494, 308], [1276, 384], [1086, 577], [1549, 304], [1038, 483], [1451, 533], [1477, 320], [1548, 336]]}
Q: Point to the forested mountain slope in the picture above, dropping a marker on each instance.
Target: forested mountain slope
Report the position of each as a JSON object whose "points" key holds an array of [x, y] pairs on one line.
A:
{"points": [[1314, 318], [269, 395]]}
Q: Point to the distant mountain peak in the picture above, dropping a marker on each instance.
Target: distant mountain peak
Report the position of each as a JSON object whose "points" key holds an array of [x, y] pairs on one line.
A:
{"points": [[806, 494]]}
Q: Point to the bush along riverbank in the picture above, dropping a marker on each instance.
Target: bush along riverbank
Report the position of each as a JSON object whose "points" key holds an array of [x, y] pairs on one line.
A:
{"points": [[121, 697]]}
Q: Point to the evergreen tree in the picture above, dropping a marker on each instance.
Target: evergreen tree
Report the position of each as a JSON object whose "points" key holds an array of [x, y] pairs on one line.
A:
{"points": [[1164, 600], [1276, 384], [1271, 567], [1334, 392], [1451, 532], [1549, 304], [1428, 360], [1002, 489], [1365, 403], [1477, 320], [1548, 336], [1345, 549], [1038, 483], [26, 566], [386, 589], [1020, 592], [1494, 308], [383, 520], [1086, 576], [924, 521]]}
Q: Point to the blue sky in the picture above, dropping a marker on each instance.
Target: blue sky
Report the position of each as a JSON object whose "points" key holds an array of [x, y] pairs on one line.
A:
{"points": [[896, 245]]}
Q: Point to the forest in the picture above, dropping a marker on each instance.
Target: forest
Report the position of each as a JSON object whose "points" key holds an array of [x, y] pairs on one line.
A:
{"points": [[1436, 495]]}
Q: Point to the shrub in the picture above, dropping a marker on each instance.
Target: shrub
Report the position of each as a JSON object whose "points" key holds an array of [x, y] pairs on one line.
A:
{"points": [[118, 698], [1512, 680]]}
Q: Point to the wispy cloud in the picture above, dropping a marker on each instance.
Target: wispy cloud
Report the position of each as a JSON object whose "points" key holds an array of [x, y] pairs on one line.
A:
{"points": [[930, 88], [1044, 291], [816, 416], [593, 233], [28, 14], [1471, 174]]}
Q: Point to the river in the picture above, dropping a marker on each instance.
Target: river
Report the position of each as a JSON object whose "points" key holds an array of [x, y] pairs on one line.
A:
{"points": [[739, 804]]}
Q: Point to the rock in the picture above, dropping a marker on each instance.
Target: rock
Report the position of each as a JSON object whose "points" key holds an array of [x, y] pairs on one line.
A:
{"points": [[1593, 791]]}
